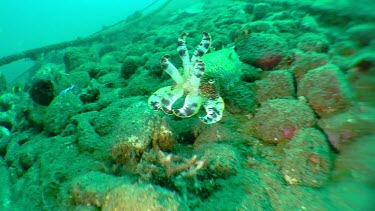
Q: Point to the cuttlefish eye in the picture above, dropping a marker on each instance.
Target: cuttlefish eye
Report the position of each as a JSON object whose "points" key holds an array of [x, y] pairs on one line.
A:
{"points": [[211, 81]]}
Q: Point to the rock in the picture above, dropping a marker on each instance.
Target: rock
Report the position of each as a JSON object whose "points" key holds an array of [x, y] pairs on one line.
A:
{"points": [[361, 76], [7, 101], [309, 24], [239, 18], [364, 62], [96, 70], [6, 202], [12, 153], [249, 7], [87, 138], [47, 82], [305, 62], [152, 64], [58, 114], [262, 50], [276, 84], [261, 11], [222, 160], [75, 57], [141, 84], [4, 140], [345, 48], [356, 161], [251, 74], [130, 65], [7, 120], [106, 49], [42, 91], [109, 77], [262, 26], [91, 188], [363, 34], [135, 130], [346, 127], [91, 95], [307, 160], [80, 79], [352, 176], [278, 120], [142, 197], [286, 26], [220, 41], [217, 133], [311, 42], [3, 83], [326, 90], [27, 158], [240, 98]]}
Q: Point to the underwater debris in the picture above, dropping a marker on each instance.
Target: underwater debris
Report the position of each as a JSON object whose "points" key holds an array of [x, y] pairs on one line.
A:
{"points": [[180, 172], [199, 91], [67, 89]]}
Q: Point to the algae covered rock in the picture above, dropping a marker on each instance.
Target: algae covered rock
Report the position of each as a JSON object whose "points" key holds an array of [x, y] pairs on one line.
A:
{"points": [[7, 120], [311, 42], [280, 119], [261, 10], [306, 62], [240, 98], [361, 76], [130, 65], [58, 114], [362, 33], [344, 128], [262, 26], [307, 159], [88, 139], [276, 84], [222, 160], [137, 130], [90, 189], [262, 50], [326, 90], [3, 83], [142, 197], [76, 57]]}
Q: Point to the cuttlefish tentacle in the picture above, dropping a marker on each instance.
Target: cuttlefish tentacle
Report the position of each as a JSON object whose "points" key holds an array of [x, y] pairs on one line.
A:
{"points": [[198, 71], [202, 48], [184, 53], [170, 98], [155, 100], [191, 106], [214, 109], [169, 68]]}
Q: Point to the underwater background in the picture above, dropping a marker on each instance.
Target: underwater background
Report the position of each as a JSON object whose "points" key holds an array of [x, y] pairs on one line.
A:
{"points": [[187, 105]]}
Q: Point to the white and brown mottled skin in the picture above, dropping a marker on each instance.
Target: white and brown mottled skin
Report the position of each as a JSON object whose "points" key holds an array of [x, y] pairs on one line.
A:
{"points": [[190, 85]]}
